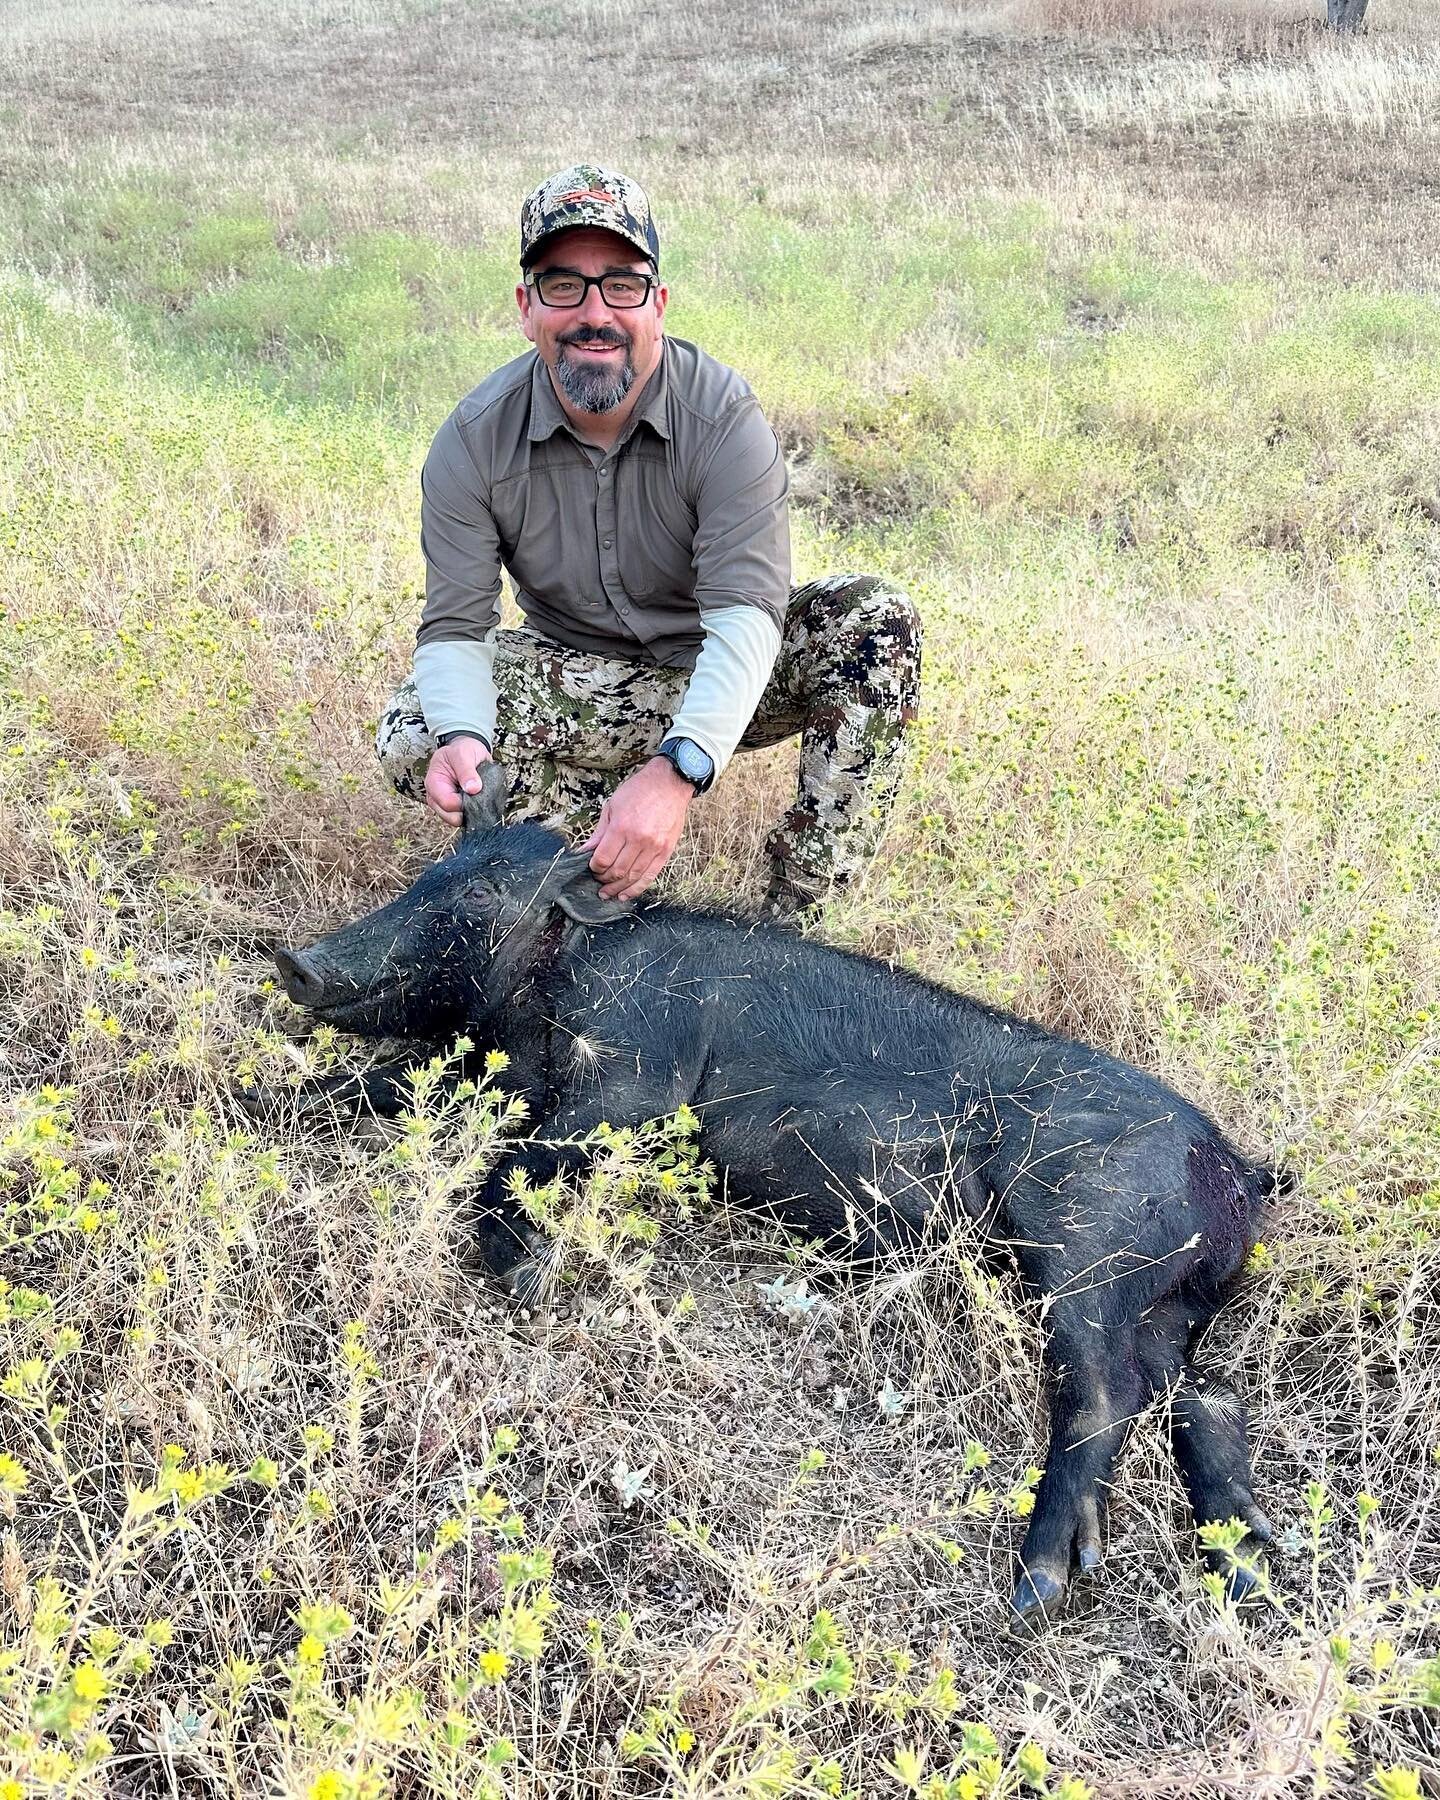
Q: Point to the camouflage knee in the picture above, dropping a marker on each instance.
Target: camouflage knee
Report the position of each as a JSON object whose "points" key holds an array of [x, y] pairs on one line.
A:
{"points": [[862, 634], [557, 794], [855, 641]]}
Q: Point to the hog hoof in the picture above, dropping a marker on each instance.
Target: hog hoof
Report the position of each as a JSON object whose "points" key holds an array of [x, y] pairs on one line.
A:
{"points": [[1241, 1585], [526, 1283], [260, 1103], [1260, 1527], [1037, 1600], [269, 1105]]}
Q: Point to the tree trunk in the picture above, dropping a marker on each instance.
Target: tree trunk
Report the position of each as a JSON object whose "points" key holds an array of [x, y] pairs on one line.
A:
{"points": [[1345, 15]]}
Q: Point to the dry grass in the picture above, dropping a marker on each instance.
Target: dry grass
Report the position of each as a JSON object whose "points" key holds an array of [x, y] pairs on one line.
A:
{"points": [[1172, 793], [1322, 155]]}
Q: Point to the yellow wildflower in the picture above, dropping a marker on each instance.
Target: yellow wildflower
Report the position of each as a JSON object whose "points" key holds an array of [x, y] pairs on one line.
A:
{"points": [[89, 1684], [494, 1665]]}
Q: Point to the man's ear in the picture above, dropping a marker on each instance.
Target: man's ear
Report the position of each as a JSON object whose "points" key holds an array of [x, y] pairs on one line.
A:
{"points": [[486, 810], [576, 890]]}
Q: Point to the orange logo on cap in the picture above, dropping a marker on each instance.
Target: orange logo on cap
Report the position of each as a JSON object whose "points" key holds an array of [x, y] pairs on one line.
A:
{"points": [[585, 194]]}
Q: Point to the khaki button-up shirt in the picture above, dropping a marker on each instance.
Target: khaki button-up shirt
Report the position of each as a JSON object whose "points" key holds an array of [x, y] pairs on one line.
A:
{"points": [[617, 553]]}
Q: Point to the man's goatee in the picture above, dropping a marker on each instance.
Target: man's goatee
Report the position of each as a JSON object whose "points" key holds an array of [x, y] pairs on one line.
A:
{"points": [[594, 390]]}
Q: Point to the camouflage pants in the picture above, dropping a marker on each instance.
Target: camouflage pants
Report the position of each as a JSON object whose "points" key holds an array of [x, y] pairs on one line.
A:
{"points": [[572, 725]]}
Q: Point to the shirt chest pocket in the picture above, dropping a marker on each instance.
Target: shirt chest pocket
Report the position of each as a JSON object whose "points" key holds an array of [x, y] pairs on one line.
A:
{"points": [[525, 513], [545, 522], [656, 527]]}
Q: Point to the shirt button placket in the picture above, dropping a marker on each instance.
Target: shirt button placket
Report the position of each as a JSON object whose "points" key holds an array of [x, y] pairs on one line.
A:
{"points": [[605, 520]]}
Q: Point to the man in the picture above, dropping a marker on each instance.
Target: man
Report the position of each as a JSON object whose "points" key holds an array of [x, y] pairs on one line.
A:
{"points": [[633, 490]]}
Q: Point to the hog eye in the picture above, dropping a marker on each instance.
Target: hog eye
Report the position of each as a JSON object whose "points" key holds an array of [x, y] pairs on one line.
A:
{"points": [[483, 890]]}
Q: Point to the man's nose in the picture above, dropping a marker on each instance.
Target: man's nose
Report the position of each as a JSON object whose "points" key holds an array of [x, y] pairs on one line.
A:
{"points": [[593, 310]]}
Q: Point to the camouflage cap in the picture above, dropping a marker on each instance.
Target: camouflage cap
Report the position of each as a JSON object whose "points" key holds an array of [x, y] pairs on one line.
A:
{"points": [[588, 195]]}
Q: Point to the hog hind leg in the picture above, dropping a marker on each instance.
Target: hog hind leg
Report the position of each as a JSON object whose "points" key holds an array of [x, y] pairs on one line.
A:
{"points": [[506, 1244], [1207, 1432], [1099, 1390]]}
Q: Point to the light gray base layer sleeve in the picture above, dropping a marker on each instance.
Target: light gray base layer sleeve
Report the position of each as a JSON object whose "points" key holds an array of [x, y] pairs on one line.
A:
{"points": [[455, 678], [730, 673]]}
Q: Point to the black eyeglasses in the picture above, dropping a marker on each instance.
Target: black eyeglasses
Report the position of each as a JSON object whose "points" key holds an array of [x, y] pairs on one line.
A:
{"points": [[621, 288]]}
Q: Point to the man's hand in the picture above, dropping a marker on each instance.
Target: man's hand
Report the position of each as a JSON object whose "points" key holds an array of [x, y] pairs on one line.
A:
{"points": [[454, 768], [639, 827]]}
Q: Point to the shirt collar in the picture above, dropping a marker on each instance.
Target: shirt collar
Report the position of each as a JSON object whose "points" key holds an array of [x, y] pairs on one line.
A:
{"points": [[546, 414]]}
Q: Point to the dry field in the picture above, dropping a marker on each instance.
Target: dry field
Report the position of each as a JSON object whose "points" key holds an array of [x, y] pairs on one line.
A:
{"points": [[1110, 327]]}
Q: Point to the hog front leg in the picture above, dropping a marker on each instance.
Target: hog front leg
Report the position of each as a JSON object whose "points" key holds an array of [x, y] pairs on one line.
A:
{"points": [[507, 1245], [382, 1091]]}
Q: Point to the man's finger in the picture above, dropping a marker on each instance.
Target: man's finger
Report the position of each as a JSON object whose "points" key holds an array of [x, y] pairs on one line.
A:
{"points": [[605, 855], [624, 869], [640, 854], [602, 825], [641, 880], [609, 851], [442, 804], [440, 794], [649, 873]]}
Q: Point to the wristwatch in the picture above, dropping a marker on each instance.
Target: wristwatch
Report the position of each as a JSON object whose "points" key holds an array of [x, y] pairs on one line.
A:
{"points": [[686, 757], [449, 737]]}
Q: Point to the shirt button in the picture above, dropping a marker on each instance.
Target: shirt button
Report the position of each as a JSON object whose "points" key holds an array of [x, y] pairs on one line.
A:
{"points": [[606, 544], [604, 470]]}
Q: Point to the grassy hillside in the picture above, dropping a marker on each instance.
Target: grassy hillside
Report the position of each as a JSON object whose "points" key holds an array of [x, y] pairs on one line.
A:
{"points": [[1118, 346]]}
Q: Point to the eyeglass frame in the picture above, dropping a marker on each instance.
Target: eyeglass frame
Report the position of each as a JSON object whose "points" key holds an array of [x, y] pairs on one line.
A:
{"points": [[597, 281]]}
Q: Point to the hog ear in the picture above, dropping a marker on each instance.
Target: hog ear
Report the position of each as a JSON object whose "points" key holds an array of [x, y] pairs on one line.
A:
{"points": [[485, 810], [577, 892]]}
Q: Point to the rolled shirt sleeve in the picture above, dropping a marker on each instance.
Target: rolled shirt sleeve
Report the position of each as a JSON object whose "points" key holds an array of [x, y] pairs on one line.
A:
{"points": [[459, 542], [741, 559], [455, 657], [455, 679], [734, 664], [741, 552]]}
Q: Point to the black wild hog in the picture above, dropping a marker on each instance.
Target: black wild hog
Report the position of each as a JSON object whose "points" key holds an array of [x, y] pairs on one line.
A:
{"points": [[854, 1100]]}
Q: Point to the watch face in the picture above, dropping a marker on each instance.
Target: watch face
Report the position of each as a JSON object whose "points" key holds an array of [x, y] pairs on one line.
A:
{"points": [[692, 761]]}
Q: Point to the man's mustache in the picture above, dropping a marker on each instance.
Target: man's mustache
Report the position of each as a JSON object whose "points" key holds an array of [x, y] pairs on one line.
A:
{"points": [[596, 337]]}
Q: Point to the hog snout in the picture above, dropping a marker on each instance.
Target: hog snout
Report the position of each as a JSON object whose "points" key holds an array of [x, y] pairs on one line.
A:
{"points": [[303, 981]]}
